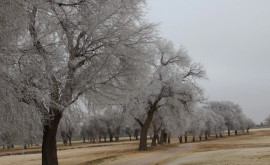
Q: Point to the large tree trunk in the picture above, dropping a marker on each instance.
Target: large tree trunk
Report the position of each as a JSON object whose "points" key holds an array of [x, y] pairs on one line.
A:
{"points": [[49, 150], [143, 139], [235, 132], [146, 125], [229, 132], [144, 129]]}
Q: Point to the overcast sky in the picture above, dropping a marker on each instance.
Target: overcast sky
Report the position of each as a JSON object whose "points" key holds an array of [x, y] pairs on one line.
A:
{"points": [[231, 38]]}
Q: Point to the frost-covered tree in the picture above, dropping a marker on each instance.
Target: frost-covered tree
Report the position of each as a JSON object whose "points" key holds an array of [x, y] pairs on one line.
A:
{"points": [[64, 50], [114, 121], [232, 114], [70, 123], [267, 120], [130, 125], [248, 124], [170, 86]]}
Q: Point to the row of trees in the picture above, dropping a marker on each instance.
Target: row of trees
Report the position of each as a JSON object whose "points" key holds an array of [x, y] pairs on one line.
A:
{"points": [[112, 122], [59, 58]]}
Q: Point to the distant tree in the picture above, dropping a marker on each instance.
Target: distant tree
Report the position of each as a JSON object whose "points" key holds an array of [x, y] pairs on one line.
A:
{"points": [[70, 123], [267, 120], [249, 123], [232, 113]]}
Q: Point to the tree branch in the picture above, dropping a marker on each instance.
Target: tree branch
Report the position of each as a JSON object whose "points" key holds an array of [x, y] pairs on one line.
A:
{"points": [[139, 122]]}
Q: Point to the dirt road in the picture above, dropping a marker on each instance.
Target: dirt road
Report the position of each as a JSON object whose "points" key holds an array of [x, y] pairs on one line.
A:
{"points": [[154, 157]]}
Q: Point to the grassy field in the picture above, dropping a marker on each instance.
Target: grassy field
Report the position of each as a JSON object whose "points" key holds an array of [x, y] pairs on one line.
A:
{"points": [[253, 148]]}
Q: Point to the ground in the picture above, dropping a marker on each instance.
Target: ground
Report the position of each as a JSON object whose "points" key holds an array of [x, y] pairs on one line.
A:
{"points": [[249, 149]]}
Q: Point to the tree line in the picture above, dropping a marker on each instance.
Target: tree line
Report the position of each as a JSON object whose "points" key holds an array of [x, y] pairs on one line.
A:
{"points": [[98, 69]]}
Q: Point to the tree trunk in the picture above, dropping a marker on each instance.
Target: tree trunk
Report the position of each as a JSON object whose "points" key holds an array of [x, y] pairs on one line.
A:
{"points": [[185, 137], [169, 138], [49, 148], [146, 125], [247, 130], [193, 139], [200, 137], [144, 129], [162, 137], [180, 139], [129, 137], [83, 139], [25, 146], [235, 132], [205, 135], [136, 133], [154, 140], [111, 138], [220, 135], [229, 132], [165, 137], [105, 140], [69, 139], [155, 135]]}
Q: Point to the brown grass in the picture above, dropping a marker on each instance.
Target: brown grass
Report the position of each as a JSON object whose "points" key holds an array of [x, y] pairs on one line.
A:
{"points": [[125, 152]]}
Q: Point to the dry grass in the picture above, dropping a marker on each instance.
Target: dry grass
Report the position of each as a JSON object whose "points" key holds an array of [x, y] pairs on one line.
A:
{"points": [[19, 150], [248, 149], [254, 147]]}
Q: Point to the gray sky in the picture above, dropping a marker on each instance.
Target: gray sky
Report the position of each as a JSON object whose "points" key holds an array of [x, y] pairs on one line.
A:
{"points": [[231, 38]]}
